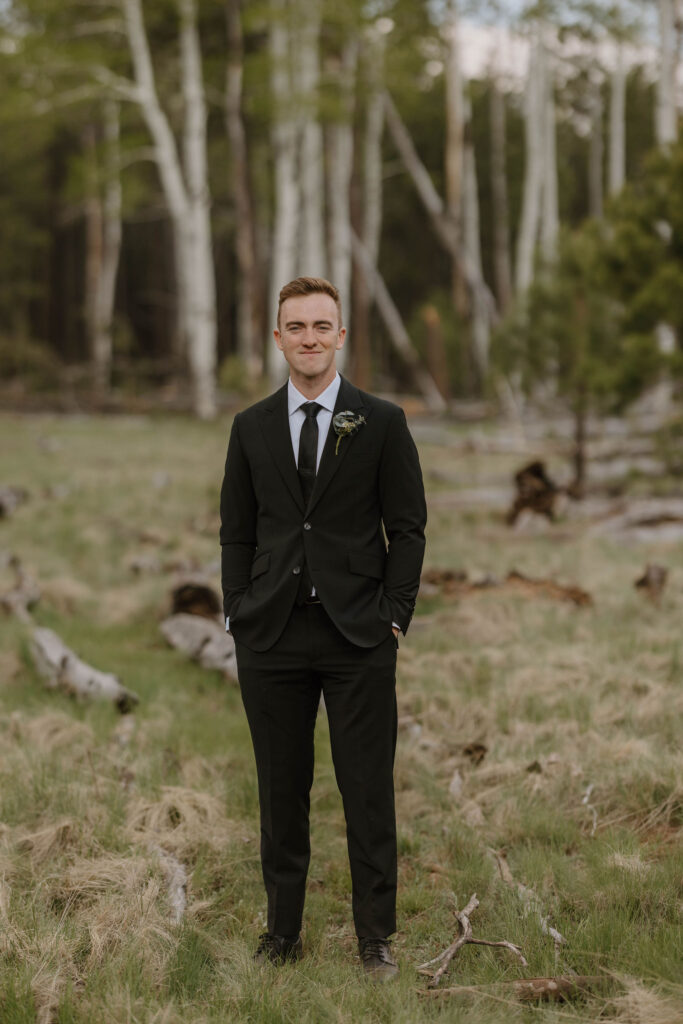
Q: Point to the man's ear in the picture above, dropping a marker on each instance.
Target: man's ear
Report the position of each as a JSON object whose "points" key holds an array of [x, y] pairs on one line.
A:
{"points": [[278, 338], [340, 337]]}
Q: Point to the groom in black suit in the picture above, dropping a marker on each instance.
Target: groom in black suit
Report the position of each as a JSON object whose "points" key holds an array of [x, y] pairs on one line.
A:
{"points": [[322, 535]]}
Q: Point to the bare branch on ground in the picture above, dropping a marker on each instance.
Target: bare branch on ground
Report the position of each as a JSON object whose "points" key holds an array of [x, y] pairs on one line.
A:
{"points": [[465, 937]]}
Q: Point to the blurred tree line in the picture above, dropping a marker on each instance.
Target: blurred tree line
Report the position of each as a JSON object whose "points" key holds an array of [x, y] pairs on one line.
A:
{"points": [[168, 165]]}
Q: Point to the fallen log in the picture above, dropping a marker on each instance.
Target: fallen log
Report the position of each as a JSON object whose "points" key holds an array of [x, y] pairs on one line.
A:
{"points": [[203, 640], [23, 596], [530, 990], [457, 582], [64, 670]]}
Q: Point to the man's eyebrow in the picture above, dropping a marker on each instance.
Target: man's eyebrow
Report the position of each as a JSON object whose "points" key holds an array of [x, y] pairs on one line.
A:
{"points": [[301, 323]]}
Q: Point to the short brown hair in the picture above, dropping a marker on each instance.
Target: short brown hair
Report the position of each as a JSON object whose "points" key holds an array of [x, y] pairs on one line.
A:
{"points": [[309, 286]]}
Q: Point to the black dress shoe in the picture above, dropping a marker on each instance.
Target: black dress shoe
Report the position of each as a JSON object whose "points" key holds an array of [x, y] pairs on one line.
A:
{"points": [[376, 958], [278, 949]]}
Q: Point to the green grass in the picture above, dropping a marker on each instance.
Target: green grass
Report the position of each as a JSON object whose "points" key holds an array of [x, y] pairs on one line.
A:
{"points": [[562, 698]]}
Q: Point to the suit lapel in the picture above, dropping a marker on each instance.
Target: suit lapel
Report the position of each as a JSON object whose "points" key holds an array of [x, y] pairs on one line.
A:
{"points": [[275, 427], [349, 397]]}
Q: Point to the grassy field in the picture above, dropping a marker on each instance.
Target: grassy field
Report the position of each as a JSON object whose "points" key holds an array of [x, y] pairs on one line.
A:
{"points": [[576, 711]]}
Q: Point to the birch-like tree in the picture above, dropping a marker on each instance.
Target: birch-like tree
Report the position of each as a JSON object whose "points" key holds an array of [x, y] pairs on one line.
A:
{"points": [[666, 117], [283, 264], [340, 150], [248, 319], [368, 194], [305, 46], [103, 240], [539, 220], [184, 177]]}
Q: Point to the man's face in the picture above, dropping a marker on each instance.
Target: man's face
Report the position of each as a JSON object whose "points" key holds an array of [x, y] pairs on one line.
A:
{"points": [[309, 336]]}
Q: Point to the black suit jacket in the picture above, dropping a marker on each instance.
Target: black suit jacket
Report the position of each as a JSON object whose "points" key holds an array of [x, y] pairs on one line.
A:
{"points": [[362, 534]]}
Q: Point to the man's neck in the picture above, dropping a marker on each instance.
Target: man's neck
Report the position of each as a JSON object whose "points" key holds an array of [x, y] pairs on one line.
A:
{"points": [[311, 387]]}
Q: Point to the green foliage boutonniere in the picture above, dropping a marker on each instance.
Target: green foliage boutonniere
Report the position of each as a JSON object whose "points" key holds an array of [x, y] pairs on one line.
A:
{"points": [[346, 423]]}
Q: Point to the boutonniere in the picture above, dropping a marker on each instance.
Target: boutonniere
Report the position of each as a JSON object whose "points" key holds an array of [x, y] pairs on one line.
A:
{"points": [[345, 424]]}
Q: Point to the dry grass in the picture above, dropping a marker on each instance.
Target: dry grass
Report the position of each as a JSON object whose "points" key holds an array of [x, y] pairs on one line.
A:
{"points": [[544, 730]]}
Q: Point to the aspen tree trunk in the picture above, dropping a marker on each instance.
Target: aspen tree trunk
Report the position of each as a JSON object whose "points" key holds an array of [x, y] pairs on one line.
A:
{"points": [[479, 313], [550, 224], [248, 319], [200, 275], [283, 134], [666, 126], [368, 204], [311, 257], [666, 134], [340, 164], [596, 154], [534, 110], [502, 264], [92, 209], [454, 155], [617, 122], [187, 197], [103, 242]]}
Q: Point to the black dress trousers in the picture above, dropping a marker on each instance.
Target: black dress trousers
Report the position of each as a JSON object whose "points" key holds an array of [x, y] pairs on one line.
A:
{"points": [[281, 691]]}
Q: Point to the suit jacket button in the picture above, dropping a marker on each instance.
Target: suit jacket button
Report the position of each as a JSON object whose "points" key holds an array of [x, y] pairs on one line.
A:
{"points": [[296, 570], [307, 526]]}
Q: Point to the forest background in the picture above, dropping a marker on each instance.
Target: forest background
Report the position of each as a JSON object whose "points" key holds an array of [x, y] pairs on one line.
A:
{"points": [[495, 188]]}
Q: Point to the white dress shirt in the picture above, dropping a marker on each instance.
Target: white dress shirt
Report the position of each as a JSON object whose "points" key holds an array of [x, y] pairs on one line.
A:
{"points": [[297, 416]]}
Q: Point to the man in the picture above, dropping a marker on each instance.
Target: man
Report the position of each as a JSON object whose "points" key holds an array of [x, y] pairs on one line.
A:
{"points": [[316, 476]]}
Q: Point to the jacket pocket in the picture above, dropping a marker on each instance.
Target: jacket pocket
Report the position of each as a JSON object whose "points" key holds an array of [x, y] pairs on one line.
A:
{"points": [[366, 565], [260, 564]]}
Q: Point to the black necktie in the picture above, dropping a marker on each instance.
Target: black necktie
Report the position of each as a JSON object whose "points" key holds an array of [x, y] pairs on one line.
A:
{"points": [[308, 448], [308, 457]]}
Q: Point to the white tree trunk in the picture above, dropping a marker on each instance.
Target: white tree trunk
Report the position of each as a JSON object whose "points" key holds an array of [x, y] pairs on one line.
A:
{"points": [[311, 256], [533, 171], [187, 197], [200, 275], [372, 157], [103, 252], [245, 233], [454, 147], [499, 198], [367, 210], [480, 315], [340, 164], [666, 121], [666, 134], [617, 122], [596, 153], [283, 134], [550, 224]]}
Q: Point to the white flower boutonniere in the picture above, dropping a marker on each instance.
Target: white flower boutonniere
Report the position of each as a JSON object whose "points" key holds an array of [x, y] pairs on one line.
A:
{"points": [[346, 423]]}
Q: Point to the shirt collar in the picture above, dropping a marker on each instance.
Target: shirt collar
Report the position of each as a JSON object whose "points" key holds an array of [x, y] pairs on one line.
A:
{"points": [[327, 399]]}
